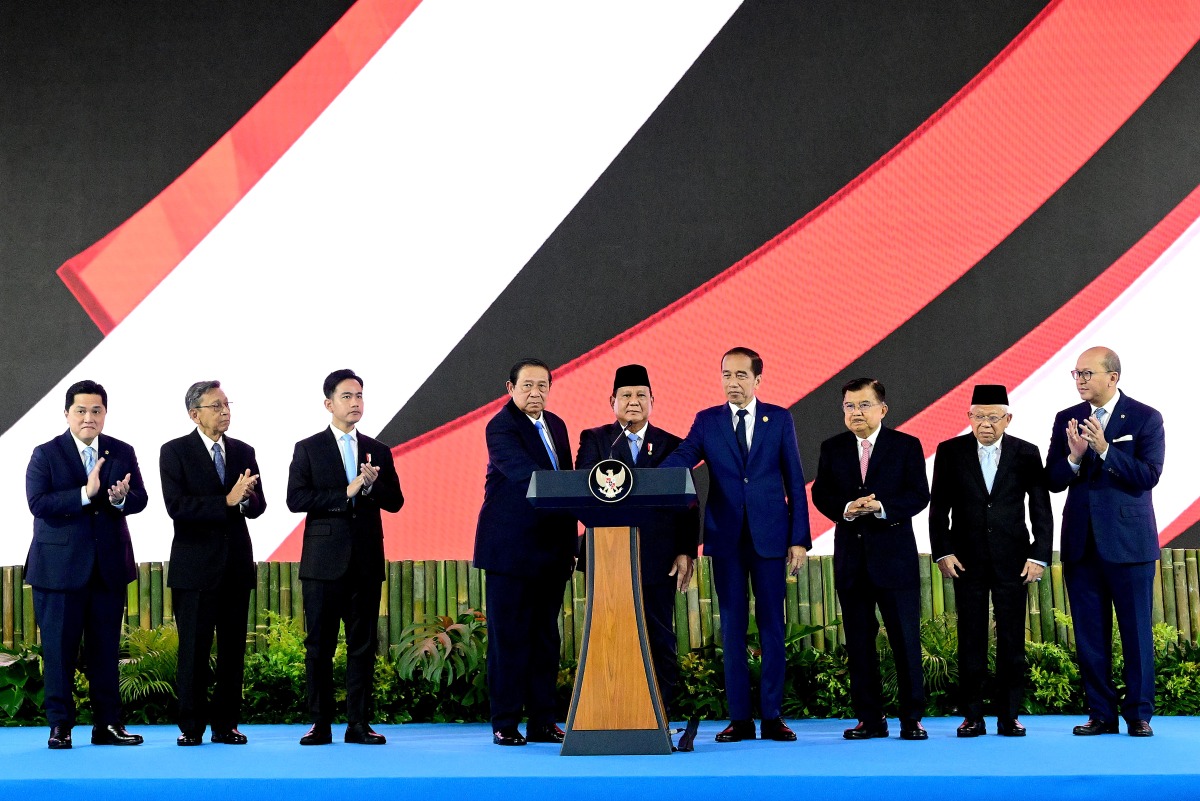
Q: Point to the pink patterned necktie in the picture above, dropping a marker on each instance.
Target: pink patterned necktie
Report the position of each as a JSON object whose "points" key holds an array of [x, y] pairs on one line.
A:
{"points": [[865, 458]]}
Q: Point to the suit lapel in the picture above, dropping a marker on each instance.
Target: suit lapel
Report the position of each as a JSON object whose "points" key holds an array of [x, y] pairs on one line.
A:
{"points": [[533, 440], [1116, 423], [652, 439], [727, 432], [1008, 458], [67, 443], [197, 453], [881, 447]]}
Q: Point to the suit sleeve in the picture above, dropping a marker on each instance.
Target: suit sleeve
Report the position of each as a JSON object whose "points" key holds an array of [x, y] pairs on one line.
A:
{"points": [[45, 501], [941, 499], [913, 495], [256, 501], [180, 504], [1141, 469], [385, 492], [135, 499], [691, 450], [303, 495], [793, 482], [589, 452], [507, 451], [826, 495], [1059, 474], [1041, 517]]}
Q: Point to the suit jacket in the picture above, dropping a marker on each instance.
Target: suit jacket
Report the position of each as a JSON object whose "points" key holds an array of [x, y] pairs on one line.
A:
{"points": [[211, 537], [337, 527], [767, 490], [1112, 495], [511, 536], [70, 539], [987, 531], [896, 475], [664, 534]]}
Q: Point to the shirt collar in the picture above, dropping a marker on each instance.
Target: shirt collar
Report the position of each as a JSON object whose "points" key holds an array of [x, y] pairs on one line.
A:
{"points": [[338, 433], [79, 446], [996, 446], [208, 443], [871, 439], [751, 407], [1108, 407]]}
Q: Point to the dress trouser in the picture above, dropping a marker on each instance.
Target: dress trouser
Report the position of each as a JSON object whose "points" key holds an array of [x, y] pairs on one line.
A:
{"points": [[198, 615], [523, 648], [354, 599]]}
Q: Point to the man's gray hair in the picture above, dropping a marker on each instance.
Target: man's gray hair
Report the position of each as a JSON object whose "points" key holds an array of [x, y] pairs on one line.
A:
{"points": [[196, 392]]}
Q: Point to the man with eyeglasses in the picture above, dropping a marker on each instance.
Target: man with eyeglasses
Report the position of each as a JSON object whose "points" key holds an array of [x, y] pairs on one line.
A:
{"points": [[211, 488], [982, 483], [871, 483], [1107, 453]]}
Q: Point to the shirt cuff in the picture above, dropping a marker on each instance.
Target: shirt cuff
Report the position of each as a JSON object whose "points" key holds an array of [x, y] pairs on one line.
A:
{"points": [[882, 513], [947, 556], [83, 495], [1036, 562], [1074, 467]]}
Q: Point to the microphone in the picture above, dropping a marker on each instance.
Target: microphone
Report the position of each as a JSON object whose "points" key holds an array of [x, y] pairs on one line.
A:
{"points": [[618, 439]]}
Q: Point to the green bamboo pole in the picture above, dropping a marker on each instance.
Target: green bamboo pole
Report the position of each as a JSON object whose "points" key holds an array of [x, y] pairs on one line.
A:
{"points": [[275, 578], [1193, 583], [418, 590], [262, 599], [285, 590], [791, 600], [710, 615], [683, 642], [298, 596], [474, 593], [441, 577], [6, 580], [408, 612], [30, 629], [578, 607], [18, 581], [395, 605], [831, 599], [936, 595], [1168, 581], [132, 616], [948, 595], [461, 597], [1182, 612], [144, 616], [382, 619], [566, 631], [841, 629], [1033, 612], [431, 587], [1157, 614], [251, 622], [483, 591], [816, 601], [1046, 603], [1060, 600], [156, 594], [168, 600], [803, 605], [695, 629], [926, 584]]}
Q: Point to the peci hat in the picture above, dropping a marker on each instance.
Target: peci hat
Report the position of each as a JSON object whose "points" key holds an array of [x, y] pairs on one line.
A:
{"points": [[989, 395], [630, 375]]}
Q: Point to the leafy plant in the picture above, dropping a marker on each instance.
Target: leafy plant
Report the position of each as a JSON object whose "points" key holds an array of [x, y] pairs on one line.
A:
{"points": [[442, 648], [21, 687], [146, 673], [273, 687]]}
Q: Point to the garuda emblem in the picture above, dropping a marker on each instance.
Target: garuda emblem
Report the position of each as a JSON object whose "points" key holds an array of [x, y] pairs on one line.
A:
{"points": [[610, 481]]}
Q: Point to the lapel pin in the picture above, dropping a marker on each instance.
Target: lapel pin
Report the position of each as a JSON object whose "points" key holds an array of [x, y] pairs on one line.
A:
{"points": [[649, 448], [765, 418]]}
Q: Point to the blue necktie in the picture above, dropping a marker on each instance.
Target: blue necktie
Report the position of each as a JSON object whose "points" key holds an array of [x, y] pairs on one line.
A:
{"points": [[633, 447], [1100, 415], [546, 441], [740, 431], [348, 458], [219, 461], [988, 463], [89, 459]]}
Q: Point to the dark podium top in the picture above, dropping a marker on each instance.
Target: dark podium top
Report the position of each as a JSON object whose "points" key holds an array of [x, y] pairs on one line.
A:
{"points": [[653, 488]]}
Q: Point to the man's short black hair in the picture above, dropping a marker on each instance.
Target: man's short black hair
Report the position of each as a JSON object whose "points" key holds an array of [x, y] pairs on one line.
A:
{"points": [[522, 364], [756, 362], [863, 383], [86, 388], [336, 377]]}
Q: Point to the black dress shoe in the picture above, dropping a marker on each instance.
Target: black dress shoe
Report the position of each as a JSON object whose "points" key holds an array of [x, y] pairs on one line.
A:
{"points": [[363, 734], [550, 733], [736, 731], [775, 729], [60, 738], [1094, 727], [867, 731], [509, 735], [1010, 728], [319, 734], [114, 735], [972, 728], [912, 730], [1140, 728], [231, 737], [188, 738]]}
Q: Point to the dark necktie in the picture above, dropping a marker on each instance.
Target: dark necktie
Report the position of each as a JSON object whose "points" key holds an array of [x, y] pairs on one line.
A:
{"points": [[740, 432], [219, 461]]}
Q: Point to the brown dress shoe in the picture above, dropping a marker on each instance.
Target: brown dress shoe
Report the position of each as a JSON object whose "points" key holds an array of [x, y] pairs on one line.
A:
{"points": [[972, 728], [867, 731], [775, 729], [1140, 728], [1094, 727], [736, 731]]}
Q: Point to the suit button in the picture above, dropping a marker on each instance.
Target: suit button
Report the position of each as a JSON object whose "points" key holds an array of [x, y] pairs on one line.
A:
{"points": [[745, 481]]}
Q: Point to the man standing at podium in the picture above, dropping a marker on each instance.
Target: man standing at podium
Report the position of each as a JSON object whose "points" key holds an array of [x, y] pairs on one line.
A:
{"points": [[667, 542], [528, 556], [755, 528]]}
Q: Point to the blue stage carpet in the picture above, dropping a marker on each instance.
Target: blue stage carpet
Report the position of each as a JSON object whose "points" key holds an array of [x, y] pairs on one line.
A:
{"points": [[450, 761]]}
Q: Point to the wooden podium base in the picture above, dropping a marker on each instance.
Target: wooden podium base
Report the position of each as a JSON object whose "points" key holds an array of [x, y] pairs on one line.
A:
{"points": [[616, 707]]}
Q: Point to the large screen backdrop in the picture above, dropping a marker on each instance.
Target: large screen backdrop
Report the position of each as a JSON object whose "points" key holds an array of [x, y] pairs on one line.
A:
{"points": [[936, 195]]}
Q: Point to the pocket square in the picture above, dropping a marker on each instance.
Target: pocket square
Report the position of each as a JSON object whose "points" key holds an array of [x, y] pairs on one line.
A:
{"points": [[1126, 438]]}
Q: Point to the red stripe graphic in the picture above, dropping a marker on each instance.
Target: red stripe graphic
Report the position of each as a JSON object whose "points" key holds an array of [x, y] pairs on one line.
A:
{"points": [[889, 243], [114, 275]]}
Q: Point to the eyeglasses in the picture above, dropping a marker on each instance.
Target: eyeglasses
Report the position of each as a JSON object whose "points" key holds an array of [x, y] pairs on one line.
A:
{"points": [[216, 407], [865, 406], [1086, 375], [986, 418]]}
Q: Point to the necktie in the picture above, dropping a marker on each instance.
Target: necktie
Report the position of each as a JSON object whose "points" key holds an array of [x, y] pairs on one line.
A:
{"points": [[1100, 415], [546, 441], [740, 431], [633, 447], [89, 459], [987, 460], [865, 459], [348, 459], [219, 461]]}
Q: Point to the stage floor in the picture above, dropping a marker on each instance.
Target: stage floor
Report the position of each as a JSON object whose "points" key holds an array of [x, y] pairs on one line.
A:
{"points": [[458, 761]]}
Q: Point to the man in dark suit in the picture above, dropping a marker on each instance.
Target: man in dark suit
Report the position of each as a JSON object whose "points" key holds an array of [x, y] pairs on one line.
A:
{"points": [[982, 482], [755, 530], [667, 541], [211, 488], [342, 479], [1107, 452], [871, 482], [528, 556], [81, 487]]}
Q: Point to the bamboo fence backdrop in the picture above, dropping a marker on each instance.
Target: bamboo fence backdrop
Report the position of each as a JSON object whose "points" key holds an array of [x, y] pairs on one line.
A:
{"points": [[414, 591]]}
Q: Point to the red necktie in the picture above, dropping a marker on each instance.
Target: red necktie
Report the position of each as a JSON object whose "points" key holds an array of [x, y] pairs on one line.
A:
{"points": [[865, 458]]}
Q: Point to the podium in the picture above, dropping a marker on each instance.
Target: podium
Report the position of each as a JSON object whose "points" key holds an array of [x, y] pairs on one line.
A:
{"points": [[616, 707]]}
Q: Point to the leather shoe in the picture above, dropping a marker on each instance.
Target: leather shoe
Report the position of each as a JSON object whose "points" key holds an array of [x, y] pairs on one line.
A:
{"points": [[972, 728], [363, 734], [60, 738], [775, 729], [736, 731], [1140, 728], [114, 735], [189, 738], [549, 733], [509, 735], [912, 730], [1094, 726], [1010, 728], [319, 734], [231, 737], [867, 731]]}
